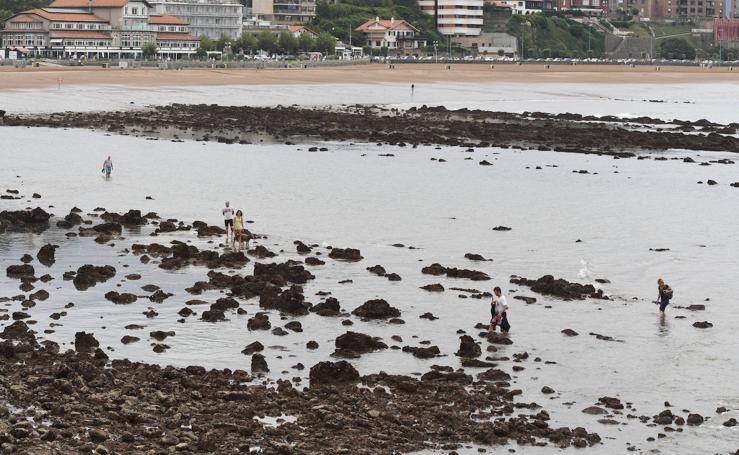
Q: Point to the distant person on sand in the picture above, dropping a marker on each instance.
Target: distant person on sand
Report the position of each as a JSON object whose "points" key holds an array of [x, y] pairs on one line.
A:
{"points": [[664, 294], [228, 219], [107, 167], [239, 232], [413, 88], [498, 311]]}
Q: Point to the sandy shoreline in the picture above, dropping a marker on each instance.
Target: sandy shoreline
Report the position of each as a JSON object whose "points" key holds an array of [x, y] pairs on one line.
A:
{"points": [[32, 78]]}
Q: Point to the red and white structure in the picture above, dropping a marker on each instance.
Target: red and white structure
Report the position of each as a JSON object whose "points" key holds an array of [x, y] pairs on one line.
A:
{"points": [[97, 28], [396, 35]]}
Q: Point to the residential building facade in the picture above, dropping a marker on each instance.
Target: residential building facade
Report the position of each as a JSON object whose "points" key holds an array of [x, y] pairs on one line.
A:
{"points": [[285, 12], [397, 35], [455, 18], [97, 28], [681, 10], [211, 18], [726, 30]]}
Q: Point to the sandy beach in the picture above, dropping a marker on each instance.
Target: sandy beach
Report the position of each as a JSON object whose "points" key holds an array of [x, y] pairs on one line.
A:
{"points": [[29, 78]]}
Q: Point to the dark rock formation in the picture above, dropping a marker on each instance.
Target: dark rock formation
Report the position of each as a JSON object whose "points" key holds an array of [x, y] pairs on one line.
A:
{"points": [[376, 309]]}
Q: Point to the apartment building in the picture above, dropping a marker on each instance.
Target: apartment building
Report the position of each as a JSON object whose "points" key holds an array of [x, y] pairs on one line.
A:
{"points": [[455, 18], [681, 10], [285, 12], [211, 18], [97, 28]]}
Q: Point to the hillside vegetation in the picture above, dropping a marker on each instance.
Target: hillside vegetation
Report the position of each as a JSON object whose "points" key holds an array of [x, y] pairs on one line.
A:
{"points": [[339, 18], [10, 7], [556, 37]]}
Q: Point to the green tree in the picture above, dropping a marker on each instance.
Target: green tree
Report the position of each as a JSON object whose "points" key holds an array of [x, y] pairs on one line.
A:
{"points": [[201, 53], [306, 42], [246, 42], [149, 50], [267, 42], [4, 15], [287, 43], [325, 43], [207, 44], [222, 41], [677, 48]]}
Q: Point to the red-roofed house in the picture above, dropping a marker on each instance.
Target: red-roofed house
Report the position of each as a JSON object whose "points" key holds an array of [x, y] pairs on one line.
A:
{"points": [[395, 34], [298, 30]]}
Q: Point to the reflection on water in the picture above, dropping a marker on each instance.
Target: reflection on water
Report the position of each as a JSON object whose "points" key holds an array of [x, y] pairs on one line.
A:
{"points": [[664, 325]]}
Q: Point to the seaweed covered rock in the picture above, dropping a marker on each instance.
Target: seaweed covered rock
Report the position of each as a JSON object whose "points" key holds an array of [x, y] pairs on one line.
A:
{"points": [[548, 285], [89, 275], [376, 309], [341, 372]]}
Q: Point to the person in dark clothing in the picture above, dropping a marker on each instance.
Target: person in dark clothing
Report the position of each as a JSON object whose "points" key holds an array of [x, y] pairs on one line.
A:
{"points": [[664, 294]]}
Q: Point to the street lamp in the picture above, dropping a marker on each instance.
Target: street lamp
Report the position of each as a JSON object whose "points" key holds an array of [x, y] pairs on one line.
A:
{"points": [[523, 37]]}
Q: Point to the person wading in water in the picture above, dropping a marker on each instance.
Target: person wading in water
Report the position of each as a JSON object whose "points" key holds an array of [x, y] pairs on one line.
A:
{"points": [[498, 311], [107, 167], [664, 295]]}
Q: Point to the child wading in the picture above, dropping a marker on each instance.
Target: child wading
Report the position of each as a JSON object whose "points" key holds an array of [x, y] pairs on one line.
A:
{"points": [[664, 295], [498, 310]]}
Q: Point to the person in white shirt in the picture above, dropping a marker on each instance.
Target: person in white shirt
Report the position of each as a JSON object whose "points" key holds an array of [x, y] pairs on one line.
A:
{"points": [[498, 310], [228, 219]]}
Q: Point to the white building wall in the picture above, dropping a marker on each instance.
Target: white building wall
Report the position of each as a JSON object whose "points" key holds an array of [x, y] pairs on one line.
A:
{"points": [[456, 17], [208, 18]]}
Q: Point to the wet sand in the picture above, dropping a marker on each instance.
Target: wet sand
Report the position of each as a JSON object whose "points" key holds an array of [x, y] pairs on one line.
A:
{"points": [[29, 78]]}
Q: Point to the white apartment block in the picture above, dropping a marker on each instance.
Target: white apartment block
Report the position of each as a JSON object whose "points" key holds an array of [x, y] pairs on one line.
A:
{"points": [[285, 12], [455, 18], [209, 18]]}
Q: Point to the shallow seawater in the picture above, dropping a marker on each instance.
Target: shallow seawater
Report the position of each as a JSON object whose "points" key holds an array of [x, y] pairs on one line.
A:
{"points": [[351, 197], [715, 101]]}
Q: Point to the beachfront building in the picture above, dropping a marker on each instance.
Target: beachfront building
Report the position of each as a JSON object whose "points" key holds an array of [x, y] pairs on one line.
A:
{"points": [[397, 35], [211, 18], [285, 12], [455, 18], [490, 44], [97, 28], [255, 26]]}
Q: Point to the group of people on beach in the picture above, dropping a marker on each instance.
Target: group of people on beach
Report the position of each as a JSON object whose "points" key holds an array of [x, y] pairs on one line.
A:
{"points": [[235, 227]]}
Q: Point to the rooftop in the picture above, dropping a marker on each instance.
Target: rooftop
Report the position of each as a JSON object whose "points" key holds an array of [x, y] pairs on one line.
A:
{"points": [[166, 20], [384, 23], [88, 3], [65, 17]]}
